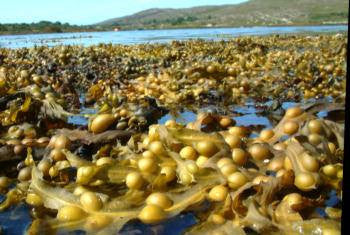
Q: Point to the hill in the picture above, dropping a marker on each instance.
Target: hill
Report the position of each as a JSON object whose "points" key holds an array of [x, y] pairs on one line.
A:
{"points": [[253, 12]]}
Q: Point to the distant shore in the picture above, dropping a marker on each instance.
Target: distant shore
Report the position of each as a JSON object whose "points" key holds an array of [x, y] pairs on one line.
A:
{"points": [[44, 27]]}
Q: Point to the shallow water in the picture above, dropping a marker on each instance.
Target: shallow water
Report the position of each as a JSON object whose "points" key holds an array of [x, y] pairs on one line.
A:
{"points": [[15, 220], [249, 115], [183, 118], [154, 36]]}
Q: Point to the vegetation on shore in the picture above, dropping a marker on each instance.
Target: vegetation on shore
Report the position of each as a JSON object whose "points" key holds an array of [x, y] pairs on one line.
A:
{"points": [[47, 27]]}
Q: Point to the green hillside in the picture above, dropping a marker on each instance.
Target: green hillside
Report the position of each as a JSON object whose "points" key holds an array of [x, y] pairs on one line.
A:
{"points": [[253, 12]]}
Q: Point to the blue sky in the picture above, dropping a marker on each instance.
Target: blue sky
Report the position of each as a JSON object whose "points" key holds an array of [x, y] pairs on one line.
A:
{"points": [[87, 11]]}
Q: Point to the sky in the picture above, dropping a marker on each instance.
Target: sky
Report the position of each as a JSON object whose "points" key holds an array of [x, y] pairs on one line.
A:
{"points": [[84, 12]]}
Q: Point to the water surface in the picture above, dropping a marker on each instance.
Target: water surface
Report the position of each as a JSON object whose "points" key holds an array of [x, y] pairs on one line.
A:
{"points": [[155, 36]]}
